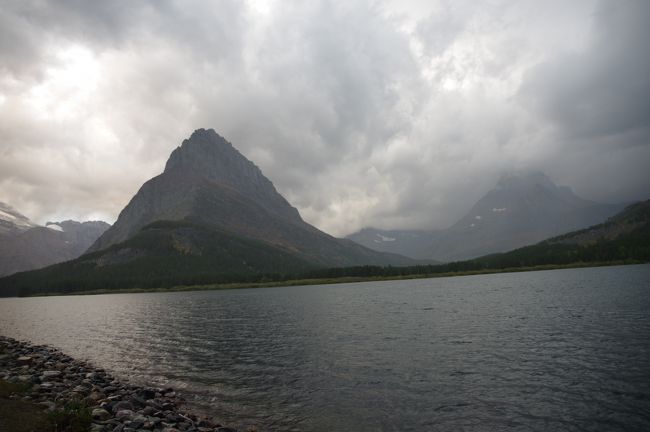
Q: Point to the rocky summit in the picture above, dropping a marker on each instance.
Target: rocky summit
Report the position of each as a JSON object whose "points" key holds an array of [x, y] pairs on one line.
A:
{"points": [[52, 380]]}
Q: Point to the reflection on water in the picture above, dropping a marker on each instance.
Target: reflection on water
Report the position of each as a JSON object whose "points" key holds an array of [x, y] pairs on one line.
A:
{"points": [[555, 350]]}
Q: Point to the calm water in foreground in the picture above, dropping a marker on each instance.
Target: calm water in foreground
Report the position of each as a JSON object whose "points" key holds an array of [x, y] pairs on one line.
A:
{"points": [[554, 350]]}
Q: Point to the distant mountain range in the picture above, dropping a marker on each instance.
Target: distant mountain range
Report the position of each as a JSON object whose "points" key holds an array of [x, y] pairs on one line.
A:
{"points": [[25, 245], [213, 217], [623, 238], [520, 210]]}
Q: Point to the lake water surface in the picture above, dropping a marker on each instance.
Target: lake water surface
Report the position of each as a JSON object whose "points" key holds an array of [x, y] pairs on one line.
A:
{"points": [[538, 351]]}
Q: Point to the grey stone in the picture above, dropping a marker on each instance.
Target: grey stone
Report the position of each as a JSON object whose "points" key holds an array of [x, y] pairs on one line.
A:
{"points": [[123, 413], [49, 405], [122, 405], [100, 414]]}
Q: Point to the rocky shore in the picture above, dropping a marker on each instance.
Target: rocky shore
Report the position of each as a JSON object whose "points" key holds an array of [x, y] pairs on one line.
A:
{"points": [[53, 380]]}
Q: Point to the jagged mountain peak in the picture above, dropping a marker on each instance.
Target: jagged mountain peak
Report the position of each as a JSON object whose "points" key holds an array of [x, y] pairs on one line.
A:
{"points": [[206, 153], [200, 150], [204, 179], [209, 183], [208, 156], [523, 180], [530, 192]]}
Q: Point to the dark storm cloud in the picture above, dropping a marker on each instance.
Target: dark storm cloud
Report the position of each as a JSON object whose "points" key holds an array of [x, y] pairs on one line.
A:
{"points": [[397, 114], [605, 89], [598, 99], [28, 26]]}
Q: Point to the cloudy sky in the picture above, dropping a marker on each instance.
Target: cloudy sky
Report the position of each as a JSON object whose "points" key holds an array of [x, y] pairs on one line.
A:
{"points": [[393, 114]]}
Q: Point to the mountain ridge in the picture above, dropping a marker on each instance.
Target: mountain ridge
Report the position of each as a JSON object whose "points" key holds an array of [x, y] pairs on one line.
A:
{"points": [[25, 245], [622, 239]]}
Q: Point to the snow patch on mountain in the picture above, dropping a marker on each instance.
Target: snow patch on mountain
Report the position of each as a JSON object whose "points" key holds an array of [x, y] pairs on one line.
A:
{"points": [[9, 214]]}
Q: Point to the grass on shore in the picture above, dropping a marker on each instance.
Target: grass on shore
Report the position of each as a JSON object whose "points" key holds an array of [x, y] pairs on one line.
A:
{"points": [[346, 279], [18, 415]]}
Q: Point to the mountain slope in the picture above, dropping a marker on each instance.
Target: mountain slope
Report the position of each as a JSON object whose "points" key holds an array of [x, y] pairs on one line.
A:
{"points": [[162, 254], [25, 245], [207, 181], [410, 243], [175, 253], [623, 237], [520, 210]]}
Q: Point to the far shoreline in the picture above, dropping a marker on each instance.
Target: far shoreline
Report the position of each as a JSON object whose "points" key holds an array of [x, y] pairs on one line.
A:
{"points": [[332, 281]]}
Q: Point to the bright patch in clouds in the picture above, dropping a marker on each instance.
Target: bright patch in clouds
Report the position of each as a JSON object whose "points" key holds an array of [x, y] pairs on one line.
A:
{"points": [[262, 7], [67, 85]]}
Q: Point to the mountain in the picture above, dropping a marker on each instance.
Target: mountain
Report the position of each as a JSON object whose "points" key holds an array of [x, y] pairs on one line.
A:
{"points": [[11, 221], [165, 252], [207, 182], [25, 245], [211, 216], [162, 254], [409, 243], [519, 211], [624, 237]]}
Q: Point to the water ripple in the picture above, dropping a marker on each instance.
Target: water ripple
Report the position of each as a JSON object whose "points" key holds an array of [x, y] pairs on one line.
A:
{"points": [[560, 350]]}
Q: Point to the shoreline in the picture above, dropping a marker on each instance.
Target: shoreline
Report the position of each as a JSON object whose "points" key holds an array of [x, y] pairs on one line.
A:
{"points": [[339, 280], [50, 382]]}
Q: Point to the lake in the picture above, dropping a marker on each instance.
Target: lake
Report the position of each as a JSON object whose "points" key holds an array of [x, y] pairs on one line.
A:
{"points": [[537, 351]]}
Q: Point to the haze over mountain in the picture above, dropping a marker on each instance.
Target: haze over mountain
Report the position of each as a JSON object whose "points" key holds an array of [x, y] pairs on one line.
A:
{"points": [[25, 245], [520, 210], [623, 238]]}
